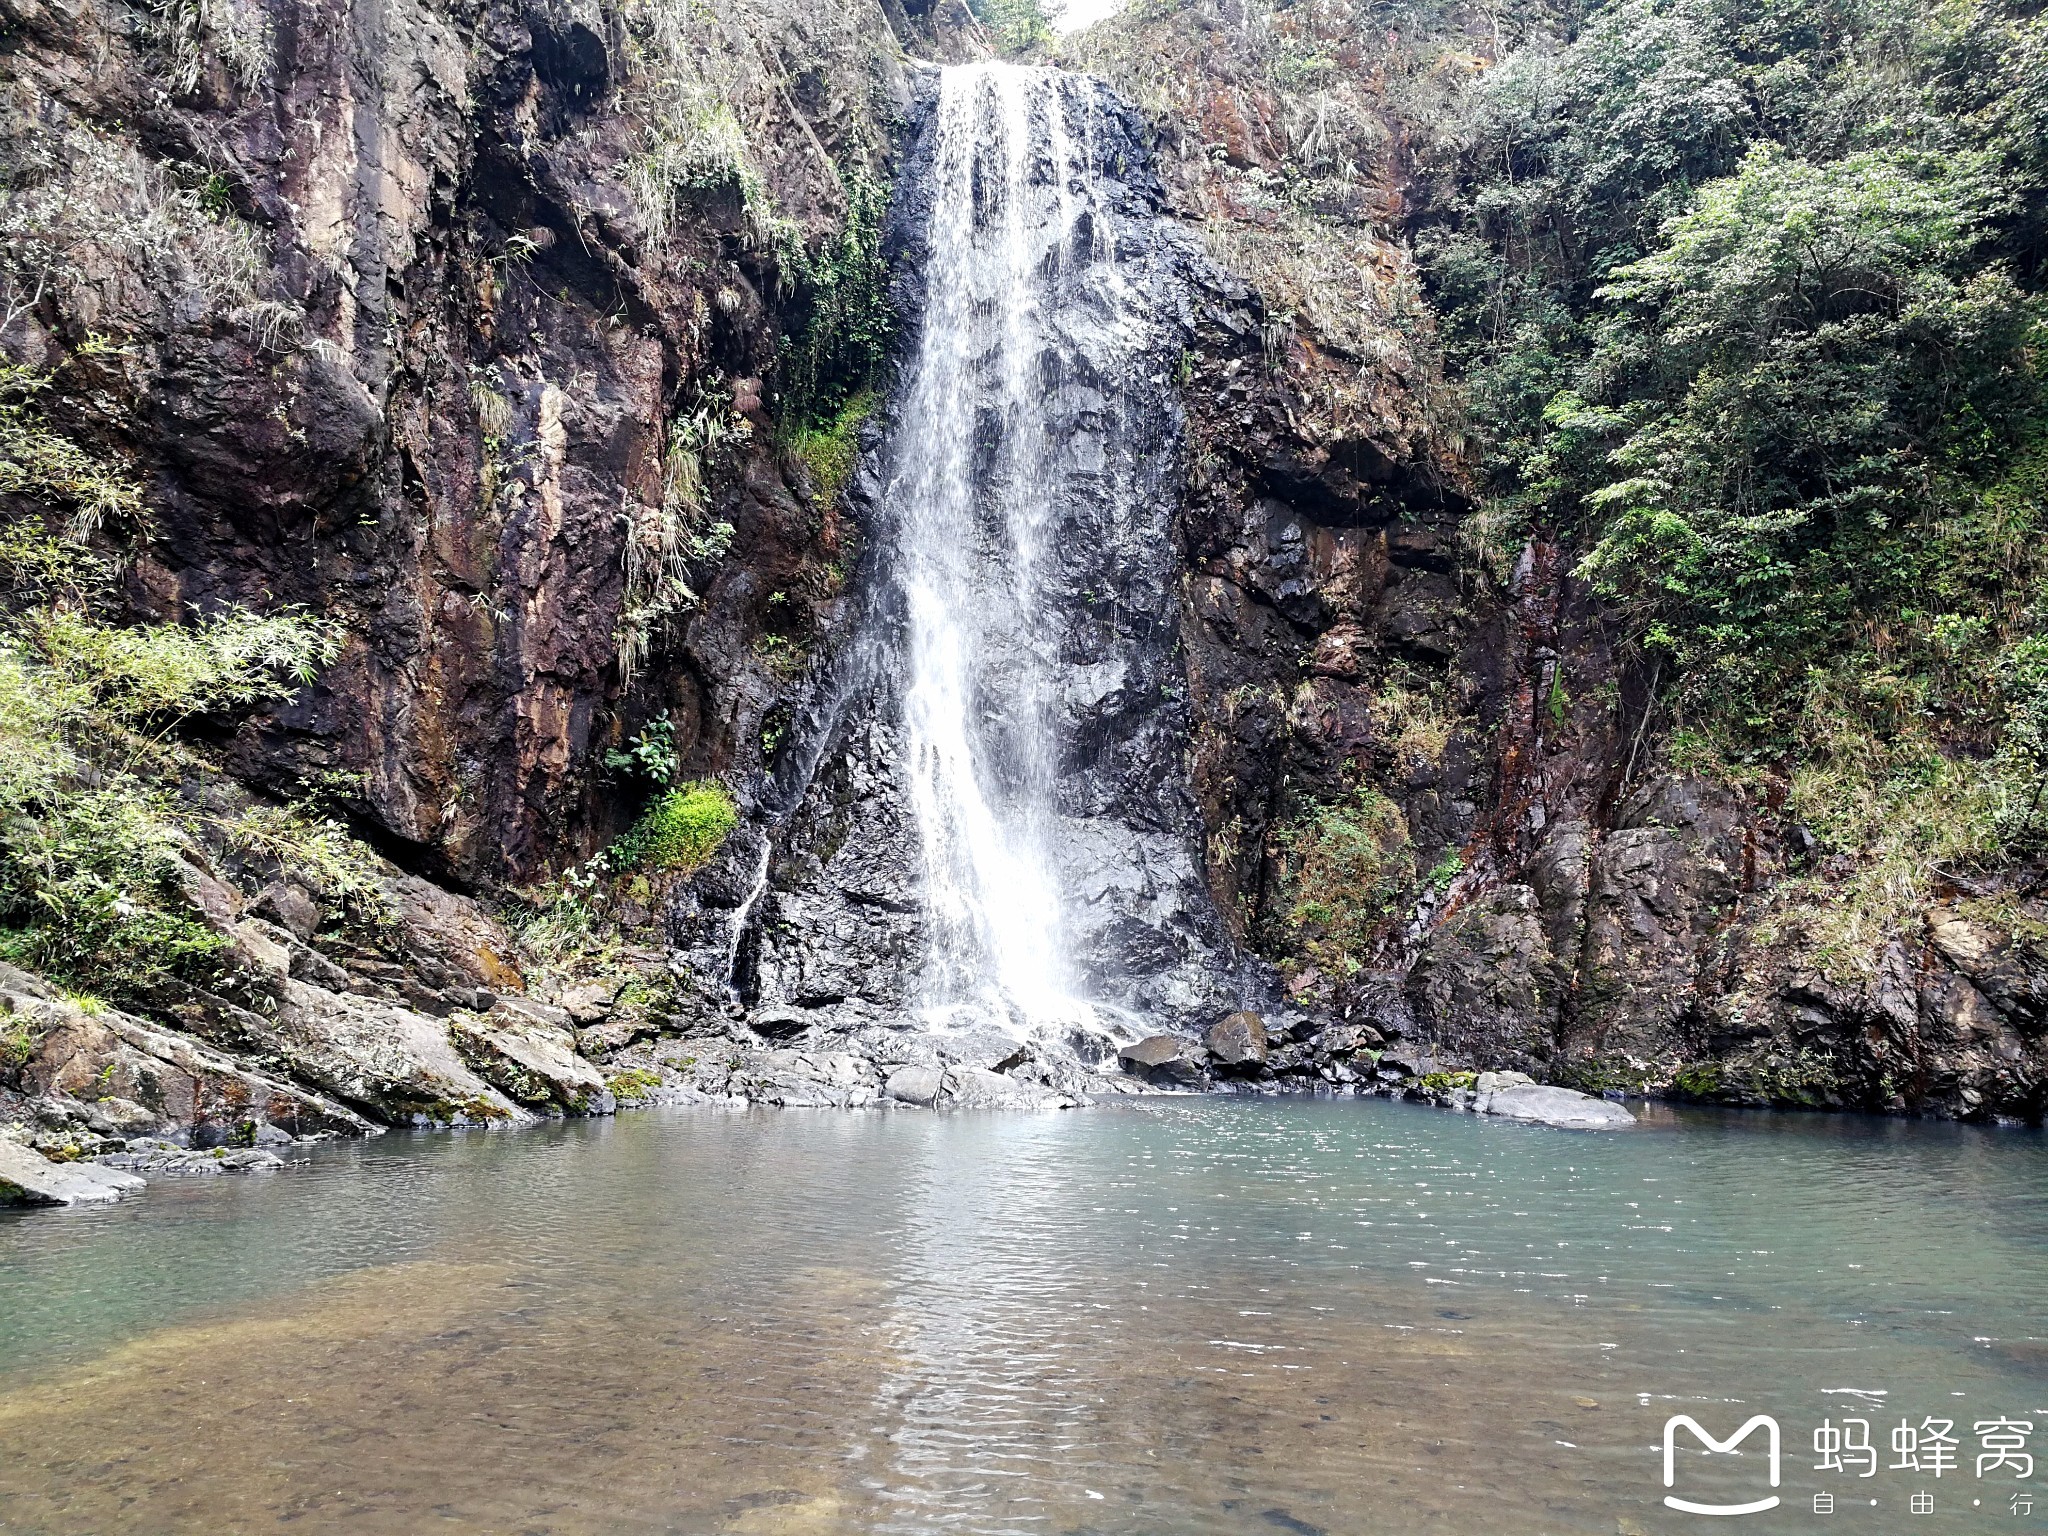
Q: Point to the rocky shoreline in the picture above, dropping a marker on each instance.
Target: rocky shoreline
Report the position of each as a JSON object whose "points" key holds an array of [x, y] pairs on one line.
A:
{"points": [[84, 1142], [49, 1162]]}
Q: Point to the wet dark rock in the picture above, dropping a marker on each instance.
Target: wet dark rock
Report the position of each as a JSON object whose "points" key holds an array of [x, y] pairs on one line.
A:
{"points": [[1402, 1061], [780, 1023], [1238, 1040], [1171, 1060]]}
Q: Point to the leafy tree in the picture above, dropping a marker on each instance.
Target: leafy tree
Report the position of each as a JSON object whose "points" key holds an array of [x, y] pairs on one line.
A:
{"points": [[1780, 389], [1745, 300]]}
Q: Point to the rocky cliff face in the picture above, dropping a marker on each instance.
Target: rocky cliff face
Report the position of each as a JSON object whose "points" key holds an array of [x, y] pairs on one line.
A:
{"points": [[1436, 788], [415, 315], [464, 324]]}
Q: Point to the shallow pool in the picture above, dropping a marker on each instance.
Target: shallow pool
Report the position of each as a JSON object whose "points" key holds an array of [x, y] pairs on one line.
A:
{"points": [[1175, 1315]]}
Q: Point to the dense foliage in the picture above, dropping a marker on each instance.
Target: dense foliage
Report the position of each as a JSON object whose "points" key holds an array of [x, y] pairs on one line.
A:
{"points": [[839, 316], [1746, 302]]}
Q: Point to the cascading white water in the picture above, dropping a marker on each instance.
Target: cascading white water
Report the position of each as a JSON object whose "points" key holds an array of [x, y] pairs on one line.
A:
{"points": [[984, 818], [973, 480]]}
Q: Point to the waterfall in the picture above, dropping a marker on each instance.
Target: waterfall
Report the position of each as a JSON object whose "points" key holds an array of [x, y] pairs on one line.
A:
{"points": [[973, 481], [982, 824]]}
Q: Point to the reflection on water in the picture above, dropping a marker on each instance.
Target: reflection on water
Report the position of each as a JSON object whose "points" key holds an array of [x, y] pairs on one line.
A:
{"points": [[1186, 1315]]}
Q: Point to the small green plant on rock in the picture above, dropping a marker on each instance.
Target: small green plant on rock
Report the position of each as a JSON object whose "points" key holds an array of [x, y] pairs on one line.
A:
{"points": [[680, 831], [17, 1044], [663, 542], [1702, 1080], [1444, 1082], [633, 1083], [652, 755]]}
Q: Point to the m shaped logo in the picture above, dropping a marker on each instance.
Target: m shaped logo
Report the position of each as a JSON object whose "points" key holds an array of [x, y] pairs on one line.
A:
{"points": [[1726, 1447]]}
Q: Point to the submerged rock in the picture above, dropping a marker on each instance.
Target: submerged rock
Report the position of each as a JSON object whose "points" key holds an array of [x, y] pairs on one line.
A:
{"points": [[148, 1154], [1545, 1105], [29, 1178]]}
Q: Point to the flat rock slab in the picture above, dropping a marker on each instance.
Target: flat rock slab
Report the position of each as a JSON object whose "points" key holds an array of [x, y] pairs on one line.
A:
{"points": [[29, 1178], [1157, 1051], [1564, 1107]]}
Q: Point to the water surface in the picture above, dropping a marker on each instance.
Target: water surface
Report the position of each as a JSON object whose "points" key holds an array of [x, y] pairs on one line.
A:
{"points": [[1182, 1315]]}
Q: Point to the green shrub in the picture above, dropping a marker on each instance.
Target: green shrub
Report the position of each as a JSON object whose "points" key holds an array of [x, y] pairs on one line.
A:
{"points": [[840, 323], [1349, 871], [829, 452], [652, 756], [1016, 26], [158, 674], [680, 831], [39, 463], [95, 846], [89, 894]]}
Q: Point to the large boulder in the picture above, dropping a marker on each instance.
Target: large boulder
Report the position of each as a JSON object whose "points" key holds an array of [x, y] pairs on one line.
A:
{"points": [[1543, 1105], [397, 1065], [29, 1178], [1167, 1059], [915, 1085], [531, 1058], [1238, 1040]]}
